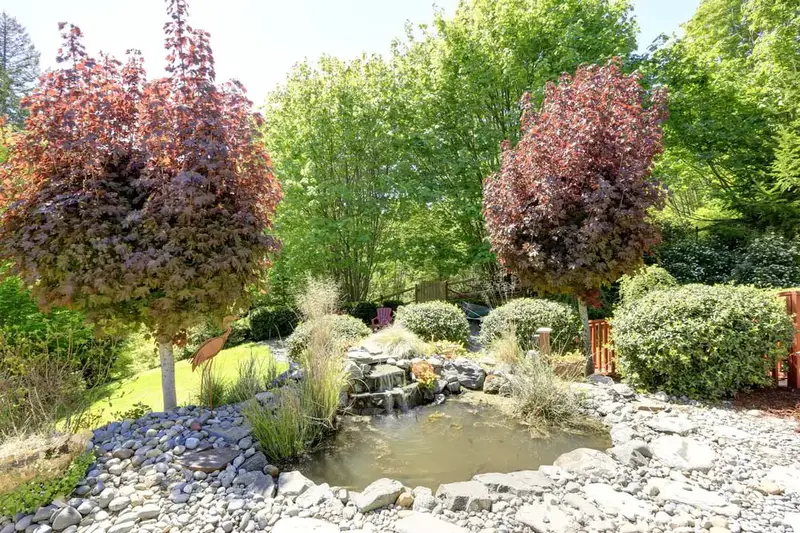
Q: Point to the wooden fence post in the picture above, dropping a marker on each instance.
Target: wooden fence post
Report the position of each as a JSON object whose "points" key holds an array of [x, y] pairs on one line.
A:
{"points": [[544, 340], [792, 299]]}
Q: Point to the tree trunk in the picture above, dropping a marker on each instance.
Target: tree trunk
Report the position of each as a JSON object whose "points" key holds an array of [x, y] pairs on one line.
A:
{"points": [[587, 344], [167, 373]]}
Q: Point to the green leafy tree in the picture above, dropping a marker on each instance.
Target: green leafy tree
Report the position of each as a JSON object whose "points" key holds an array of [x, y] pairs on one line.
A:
{"points": [[139, 202], [333, 131], [19, 67], [465, 76]]}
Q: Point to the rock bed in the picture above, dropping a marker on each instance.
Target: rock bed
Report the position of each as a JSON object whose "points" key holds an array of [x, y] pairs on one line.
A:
{"points": [[673, 467]]}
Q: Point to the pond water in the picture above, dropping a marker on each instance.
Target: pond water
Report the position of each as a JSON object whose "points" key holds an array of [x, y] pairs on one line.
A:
{"points": [[436, 444]]}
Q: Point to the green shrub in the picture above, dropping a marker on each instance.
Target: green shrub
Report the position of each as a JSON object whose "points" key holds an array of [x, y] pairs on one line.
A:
{"points": [[364, 311], [653, 277], [271, 322], [698, 260], [524, 316], [435, 321], [701, 341], [346, 329], [769, 260]]}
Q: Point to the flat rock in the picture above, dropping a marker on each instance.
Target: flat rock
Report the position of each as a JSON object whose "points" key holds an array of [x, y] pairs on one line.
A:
{"points": [[633, 452], [683, 453], [426, 523], [464, 496], [671, 424], [521, 483], [582, 505], [293, 483], [587, 460], [256, 483], [648, 404], [209, 460], [231, 434], [675, 491], [535, 514], [378, 494], [304, 525], [314, 496], [786, 477], [623, 503]]}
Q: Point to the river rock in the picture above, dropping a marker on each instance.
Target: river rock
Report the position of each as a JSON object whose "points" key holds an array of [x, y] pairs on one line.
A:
{"points": [[587, 460], [304, 525], [148, 511], [544, 518], [378, 494], [683, 453], [423, 499], [255, 462], [256, 483], [293, 483], [209, 460], [425, 523], [66, 517], [464, 496]]}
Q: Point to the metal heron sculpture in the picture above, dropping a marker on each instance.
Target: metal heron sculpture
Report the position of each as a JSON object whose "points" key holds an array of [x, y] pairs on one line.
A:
{"points": [[206, 353]]}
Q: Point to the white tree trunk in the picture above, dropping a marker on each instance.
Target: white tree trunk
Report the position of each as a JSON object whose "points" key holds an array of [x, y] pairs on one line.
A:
{"points": [[167, 373], [587, 343]]}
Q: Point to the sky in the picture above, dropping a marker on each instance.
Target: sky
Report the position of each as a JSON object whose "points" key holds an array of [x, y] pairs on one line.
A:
{"points": [[258, 41]]}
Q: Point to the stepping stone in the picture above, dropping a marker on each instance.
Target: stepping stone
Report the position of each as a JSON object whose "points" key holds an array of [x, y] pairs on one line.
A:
{"points": [[232, 434], [209, 460], [535, 514], [304, 525], [426, 523]]}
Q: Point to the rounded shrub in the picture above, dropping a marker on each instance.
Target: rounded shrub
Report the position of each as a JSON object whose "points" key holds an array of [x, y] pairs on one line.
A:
{"points": [[701, 341], [344, 328], [769, 260], [632, 287], [524, 316], [270, 322], [435, 321]]}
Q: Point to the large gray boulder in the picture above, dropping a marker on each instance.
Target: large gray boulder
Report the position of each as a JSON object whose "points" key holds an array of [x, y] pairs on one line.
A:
{"points": [[378, 494], [464, 496], [293, 483], [587, 460], [470, 374], [683, 453], [521, 483]]}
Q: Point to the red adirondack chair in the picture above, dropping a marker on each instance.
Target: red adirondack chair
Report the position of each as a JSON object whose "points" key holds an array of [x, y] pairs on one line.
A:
{"points": [[383, 319]]}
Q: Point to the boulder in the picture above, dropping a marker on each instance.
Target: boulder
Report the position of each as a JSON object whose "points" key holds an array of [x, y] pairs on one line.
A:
{"points": [[256, 483], [426, 523], [622, 433], [464, 496], [544, 518], [379, 493], [634, 453], [423, 499], [255, 462], [587, 460], [522, 483], [470, 373], [496, 384], [600, 379], [304, 525], [683, 453], [293, 483], [315, 496]]}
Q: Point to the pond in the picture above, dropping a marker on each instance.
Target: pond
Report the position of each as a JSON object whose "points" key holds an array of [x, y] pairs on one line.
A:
{"points": [[436, 444]]}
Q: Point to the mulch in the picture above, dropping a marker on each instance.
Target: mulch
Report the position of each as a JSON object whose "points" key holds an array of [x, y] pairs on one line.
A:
{"points": [[782, 402]]}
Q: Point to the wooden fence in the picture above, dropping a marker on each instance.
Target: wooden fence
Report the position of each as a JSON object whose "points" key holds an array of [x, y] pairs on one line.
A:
{"points": [[786, 371]]}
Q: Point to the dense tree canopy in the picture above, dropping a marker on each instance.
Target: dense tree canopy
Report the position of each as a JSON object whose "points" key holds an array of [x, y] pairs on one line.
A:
{"points": [[19, 67], [139, 201]]}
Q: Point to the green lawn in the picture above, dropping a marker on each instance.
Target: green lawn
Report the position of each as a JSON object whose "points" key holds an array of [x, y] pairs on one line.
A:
{"points": [[145, 387]]}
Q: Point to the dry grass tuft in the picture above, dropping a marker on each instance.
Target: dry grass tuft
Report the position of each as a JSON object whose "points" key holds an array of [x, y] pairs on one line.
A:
{"points": [[400, 343]]}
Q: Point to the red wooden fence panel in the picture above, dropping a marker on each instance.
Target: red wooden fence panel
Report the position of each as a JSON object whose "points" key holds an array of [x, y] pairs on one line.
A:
{"points": [[793, 308], [602, 351]]}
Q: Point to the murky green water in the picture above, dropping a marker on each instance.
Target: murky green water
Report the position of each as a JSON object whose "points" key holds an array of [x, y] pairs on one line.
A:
{"points": [[437, 444]]}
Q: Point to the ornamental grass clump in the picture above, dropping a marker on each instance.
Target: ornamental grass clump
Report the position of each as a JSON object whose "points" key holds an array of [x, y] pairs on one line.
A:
{"points": [[701, 341], [399, 342]]}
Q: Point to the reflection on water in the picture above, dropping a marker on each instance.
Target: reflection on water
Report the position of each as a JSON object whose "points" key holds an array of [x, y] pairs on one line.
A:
{"points": [[438, 444]]}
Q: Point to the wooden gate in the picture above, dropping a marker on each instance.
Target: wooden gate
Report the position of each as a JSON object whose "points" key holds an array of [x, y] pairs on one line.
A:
{"points": [[429, 291]]}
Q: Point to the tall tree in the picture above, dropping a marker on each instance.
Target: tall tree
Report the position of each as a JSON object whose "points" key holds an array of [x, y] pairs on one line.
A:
{"points": [[733, 137], [19, 67], [465, 76], [139, 202], [332, 129], [568, 211]]}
